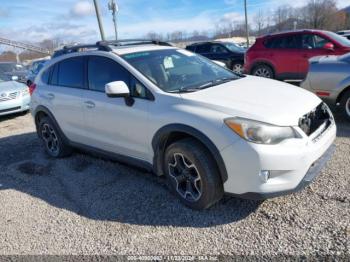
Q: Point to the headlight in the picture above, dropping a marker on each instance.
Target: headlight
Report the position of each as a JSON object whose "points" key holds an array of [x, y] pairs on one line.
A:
{"points": [[25, 92], [260, 133]]}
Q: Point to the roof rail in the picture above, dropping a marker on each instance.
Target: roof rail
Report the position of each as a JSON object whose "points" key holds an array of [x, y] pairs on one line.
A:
{"points": [[129, 42], [80, 47], [106, 45]]}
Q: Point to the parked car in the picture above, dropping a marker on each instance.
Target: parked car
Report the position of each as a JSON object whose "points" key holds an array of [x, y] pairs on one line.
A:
{"points": [[329, 78], [286, 55], [34, 69], [347, 36], [14, 96], [229, 53], [14, 69], [343, 32], [178, 114]]}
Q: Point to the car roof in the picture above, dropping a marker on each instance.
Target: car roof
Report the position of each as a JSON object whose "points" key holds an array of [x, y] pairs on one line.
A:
{"points": [[294, 32]]}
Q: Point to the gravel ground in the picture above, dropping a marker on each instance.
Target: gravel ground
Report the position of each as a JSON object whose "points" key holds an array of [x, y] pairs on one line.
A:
{"points": [[85, 205]]}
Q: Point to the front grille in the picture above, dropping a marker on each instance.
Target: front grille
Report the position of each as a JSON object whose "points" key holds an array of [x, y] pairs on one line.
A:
{"points": [[7, 97], [313, 120], [10, 109]]}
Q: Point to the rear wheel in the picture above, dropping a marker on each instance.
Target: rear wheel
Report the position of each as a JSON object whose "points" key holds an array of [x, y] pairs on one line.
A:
{"points": [[237, 67], [192, 174], [345, 105], [53, 141], [263, 70]]}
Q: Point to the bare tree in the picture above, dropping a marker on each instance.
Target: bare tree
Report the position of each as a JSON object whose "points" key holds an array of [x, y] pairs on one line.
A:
{"points": [[321, 14], [259, 20]]}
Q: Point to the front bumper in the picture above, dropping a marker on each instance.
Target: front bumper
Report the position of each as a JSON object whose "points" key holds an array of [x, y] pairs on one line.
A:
{"points": [[17, 105], [313, 172], [292, 164]]}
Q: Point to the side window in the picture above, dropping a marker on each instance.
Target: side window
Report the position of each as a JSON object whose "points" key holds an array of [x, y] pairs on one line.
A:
{"points": [[46, 75], [218, 49], [138, 90], [54, 77], [274, 43], [71, 72], [291, 42], [102, 70], [310, 41], [201, 49], [283, 42]]}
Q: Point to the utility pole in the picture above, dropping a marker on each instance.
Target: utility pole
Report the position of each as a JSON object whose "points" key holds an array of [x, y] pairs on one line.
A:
{"points": [[112, 5], [246, 22], [98, 15]]}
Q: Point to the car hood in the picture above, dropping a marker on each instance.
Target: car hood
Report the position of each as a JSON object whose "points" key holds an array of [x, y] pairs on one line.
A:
{"points": [[11, 86], [259, 99]]}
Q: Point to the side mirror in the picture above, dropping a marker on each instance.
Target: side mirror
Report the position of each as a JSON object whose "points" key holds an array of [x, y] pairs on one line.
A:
{"points": [[117, 89], [328, 46], [14, 78]]}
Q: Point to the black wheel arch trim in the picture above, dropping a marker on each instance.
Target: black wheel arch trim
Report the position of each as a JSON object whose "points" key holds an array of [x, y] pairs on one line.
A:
{"points": [[46, 111], [161, 137]]}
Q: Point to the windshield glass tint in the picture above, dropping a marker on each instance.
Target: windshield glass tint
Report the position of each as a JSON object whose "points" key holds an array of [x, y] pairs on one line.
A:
{"points": [[340, 39], [175, 70], [233, 47]]}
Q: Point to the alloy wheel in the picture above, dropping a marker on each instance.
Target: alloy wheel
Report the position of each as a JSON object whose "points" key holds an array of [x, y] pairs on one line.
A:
{"points": [[186, 177], [50, 139], [238, 68], [262, 72]]}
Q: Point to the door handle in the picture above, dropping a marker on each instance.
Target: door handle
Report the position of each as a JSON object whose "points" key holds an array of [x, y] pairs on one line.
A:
{"points": [[305, 56], [89, 104]]}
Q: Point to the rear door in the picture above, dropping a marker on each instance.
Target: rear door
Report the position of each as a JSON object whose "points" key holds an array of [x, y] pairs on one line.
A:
{"points": [[112, 125], [284, 53], [64, 95]]}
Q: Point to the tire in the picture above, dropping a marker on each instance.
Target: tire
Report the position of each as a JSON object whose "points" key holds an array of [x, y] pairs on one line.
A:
{"points": [[263, 70], [237, 67], [189, 162], [345, 105], [52, 139]]}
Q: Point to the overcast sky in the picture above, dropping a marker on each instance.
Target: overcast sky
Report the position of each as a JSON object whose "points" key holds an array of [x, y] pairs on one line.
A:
{"points": [[74, 20]]}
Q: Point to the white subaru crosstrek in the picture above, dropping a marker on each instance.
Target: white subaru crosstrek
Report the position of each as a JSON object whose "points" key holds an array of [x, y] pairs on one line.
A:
{"points": [[207, 129]]}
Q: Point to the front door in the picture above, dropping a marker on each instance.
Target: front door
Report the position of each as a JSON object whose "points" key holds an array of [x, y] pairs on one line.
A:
{"points": [[112, 125]]}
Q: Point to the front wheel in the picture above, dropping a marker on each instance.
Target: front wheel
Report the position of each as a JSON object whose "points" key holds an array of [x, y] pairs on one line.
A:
{"points": [[192, 174], [263, 71], [345, 105]]}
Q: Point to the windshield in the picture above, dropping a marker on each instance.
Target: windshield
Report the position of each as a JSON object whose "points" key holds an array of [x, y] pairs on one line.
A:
{"points": [[340, 39], [233, 47], [176, 70]]}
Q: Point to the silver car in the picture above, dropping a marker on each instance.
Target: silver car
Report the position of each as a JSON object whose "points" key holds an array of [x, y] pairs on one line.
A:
{"points": [[329, 78], [14, 96]]}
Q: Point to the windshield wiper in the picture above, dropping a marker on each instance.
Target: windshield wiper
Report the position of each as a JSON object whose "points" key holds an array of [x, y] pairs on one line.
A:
{"points": [[189, 89]]}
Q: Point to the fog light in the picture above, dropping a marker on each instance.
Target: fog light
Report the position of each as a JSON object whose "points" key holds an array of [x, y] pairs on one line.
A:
{"points": [[264, 175]]}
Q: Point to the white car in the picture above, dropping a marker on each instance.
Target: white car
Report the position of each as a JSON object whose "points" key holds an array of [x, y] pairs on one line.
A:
{"points": [[208, 130]]}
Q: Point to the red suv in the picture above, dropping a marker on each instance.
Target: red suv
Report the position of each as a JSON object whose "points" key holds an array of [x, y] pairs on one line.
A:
{"points": [[285, 55]]}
